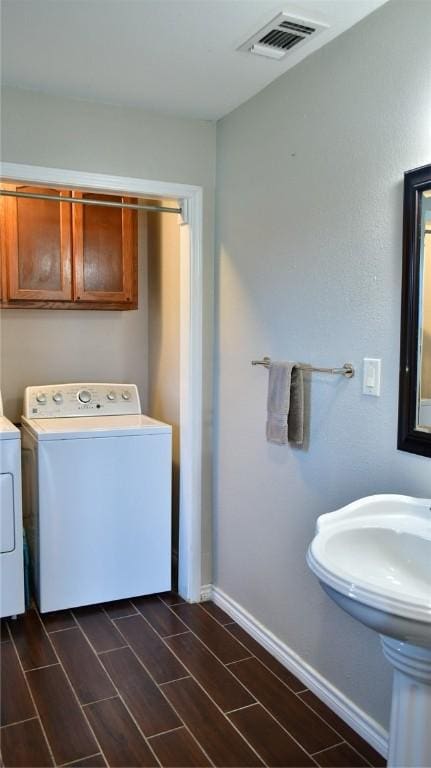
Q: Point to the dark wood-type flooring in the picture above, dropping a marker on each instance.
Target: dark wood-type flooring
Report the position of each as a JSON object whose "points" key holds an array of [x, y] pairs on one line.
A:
{"points": [[158, 682]]}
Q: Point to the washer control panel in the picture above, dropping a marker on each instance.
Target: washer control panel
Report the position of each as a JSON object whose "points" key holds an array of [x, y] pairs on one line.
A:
{"points": [[54, 401]]}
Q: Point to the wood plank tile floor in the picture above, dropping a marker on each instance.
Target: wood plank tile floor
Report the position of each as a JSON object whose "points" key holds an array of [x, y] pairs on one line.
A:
{"points": [[158, 682]]}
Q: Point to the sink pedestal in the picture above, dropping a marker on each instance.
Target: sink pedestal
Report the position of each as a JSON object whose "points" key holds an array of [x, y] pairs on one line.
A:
{"points": [[410, 728]]}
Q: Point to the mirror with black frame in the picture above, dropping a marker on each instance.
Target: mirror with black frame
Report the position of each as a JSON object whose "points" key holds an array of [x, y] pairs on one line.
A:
{"points": [[414, 417]]}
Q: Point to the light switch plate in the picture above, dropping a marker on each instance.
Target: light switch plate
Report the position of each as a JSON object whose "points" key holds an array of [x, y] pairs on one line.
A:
{"points": [[372, 374]]}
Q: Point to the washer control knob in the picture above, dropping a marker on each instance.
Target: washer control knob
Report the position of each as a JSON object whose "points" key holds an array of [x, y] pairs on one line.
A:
{"points": [[84, 396], [125, 395], [111, 396], [41, 398], [58, 397]]}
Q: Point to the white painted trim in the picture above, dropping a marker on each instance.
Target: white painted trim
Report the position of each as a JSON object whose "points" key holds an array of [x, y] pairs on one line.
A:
{"points": [[190, 545], [190, 538], [207, 592], [59, 176], [362, 723]]}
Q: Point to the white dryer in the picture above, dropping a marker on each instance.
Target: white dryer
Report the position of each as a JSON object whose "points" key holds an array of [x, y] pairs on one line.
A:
{"points": [[97, 494], [11, 543]]}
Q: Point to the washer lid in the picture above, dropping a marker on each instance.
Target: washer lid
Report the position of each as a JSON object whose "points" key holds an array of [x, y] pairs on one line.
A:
{"points": [[95, 426], [7, 430]]}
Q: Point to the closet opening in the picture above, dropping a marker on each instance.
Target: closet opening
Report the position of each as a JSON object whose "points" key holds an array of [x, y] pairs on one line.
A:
{"points": [[152, 231]]}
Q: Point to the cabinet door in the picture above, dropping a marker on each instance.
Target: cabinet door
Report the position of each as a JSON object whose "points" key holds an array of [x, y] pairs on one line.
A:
{"points": [[104, 249], [36, 245]]}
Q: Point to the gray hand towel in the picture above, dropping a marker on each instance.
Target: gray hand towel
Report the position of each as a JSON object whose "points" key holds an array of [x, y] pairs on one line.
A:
{"points": [[285, 420]]}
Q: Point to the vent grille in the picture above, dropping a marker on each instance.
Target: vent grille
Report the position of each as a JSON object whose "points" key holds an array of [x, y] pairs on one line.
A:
{"points": [[298, 27], [282, 34], [278, 39]]}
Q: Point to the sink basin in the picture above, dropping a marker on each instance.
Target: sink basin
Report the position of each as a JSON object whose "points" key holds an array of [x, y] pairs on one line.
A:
{"points": [[377, 553], [373, 558]]}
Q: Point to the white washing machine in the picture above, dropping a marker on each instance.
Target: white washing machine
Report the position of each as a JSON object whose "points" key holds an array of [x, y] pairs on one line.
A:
{"points": [[97, 494], [11, 543]]}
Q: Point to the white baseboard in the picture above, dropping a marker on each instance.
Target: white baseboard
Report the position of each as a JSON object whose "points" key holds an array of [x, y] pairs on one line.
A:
{"points": [[362, 723]]}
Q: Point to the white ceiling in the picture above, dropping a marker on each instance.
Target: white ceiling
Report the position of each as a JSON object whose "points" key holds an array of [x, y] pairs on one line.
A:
{"points": [[170, 56]]}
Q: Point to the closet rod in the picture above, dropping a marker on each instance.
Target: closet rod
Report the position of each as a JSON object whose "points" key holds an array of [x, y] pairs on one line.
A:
{"points": [[64, 199]]}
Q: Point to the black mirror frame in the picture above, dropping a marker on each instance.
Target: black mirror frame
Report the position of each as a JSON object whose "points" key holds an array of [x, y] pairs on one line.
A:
{"points": [[410, 438]]}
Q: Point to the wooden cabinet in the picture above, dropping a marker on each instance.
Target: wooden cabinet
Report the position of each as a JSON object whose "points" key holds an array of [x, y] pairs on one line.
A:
{"points": [[67, 255], [103, 250], [37, 246]]}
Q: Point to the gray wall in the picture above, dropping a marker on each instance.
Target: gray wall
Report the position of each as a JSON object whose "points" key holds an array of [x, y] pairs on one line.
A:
{"points": [[64, 133], [309, 230], [164, 337]]}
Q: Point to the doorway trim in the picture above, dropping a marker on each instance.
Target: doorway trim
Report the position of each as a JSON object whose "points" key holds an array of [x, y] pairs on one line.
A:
{"points": [[191, 298]]}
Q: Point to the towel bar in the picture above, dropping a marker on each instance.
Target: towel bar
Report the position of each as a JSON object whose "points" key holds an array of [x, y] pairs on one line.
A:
{"points": [[347, 370]]}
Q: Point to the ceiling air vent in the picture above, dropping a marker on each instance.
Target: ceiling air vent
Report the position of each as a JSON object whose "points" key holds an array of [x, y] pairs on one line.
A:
{"points": [[282, 34]]}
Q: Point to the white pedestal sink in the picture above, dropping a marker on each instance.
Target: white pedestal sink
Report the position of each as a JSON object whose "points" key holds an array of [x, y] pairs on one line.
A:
{"points": [[373, 557]]}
